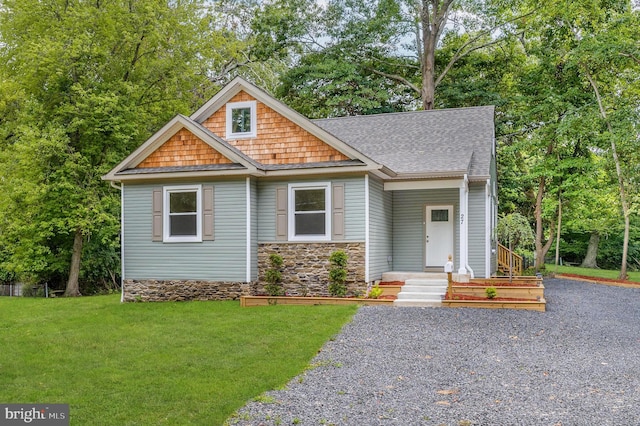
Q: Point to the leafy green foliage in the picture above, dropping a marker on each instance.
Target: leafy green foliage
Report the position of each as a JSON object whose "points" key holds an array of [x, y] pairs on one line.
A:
{"points": [[273, 276], [515, 230], [338, 273], [375, 292], [86, 83], [491, 292]]}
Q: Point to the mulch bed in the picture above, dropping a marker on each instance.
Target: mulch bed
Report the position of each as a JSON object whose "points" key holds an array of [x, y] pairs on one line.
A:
{"points": [[382, 284], [389, 297], [506, 283], [457, 297], [598, 280]]}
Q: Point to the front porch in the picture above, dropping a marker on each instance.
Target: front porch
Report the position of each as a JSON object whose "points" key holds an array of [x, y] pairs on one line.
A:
{"points": [[419, 288]]}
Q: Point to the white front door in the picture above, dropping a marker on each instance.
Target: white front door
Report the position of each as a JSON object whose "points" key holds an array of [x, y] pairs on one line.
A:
{"points": [[439, 235]]}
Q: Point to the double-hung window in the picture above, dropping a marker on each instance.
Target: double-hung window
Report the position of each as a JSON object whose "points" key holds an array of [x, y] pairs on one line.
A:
{"points": [[182, 213], [241, 120], [310, 212]]}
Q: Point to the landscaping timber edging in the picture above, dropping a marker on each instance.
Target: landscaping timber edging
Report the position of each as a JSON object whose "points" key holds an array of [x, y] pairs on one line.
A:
{"points": [[248, 301], [530, 305], [502, 291], [533, 281], [390, 290]]}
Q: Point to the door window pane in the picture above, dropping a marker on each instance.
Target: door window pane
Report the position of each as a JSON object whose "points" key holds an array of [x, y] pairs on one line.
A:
{"points": [[440, 215]]}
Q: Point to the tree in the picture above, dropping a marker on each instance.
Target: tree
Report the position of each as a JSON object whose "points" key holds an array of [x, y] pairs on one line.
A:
{"points": [[608, 59], [400, 41], [94, 79], [514, 229]]}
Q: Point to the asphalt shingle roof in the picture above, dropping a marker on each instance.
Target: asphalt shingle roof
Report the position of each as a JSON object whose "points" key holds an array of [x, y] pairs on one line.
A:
{"points": [[437, 142]]}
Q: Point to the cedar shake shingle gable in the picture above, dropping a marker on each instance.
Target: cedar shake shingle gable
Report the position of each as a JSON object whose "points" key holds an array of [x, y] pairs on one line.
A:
{"points": [[441, 143]]}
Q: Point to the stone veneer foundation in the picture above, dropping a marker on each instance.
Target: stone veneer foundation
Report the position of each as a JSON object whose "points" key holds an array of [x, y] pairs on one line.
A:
{"points": [[305, 269], [180, 290], [305, 272]]}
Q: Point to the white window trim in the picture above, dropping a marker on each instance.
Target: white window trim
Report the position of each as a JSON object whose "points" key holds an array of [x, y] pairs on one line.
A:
{"points": [[292, 216], [166, 237], [254, 122]]}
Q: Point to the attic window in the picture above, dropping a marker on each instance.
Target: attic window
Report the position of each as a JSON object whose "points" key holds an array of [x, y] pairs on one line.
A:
{"points": [[241, 120]]}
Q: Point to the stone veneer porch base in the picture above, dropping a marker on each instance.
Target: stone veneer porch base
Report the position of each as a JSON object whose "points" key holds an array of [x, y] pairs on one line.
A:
{"points": [[182, 290]]}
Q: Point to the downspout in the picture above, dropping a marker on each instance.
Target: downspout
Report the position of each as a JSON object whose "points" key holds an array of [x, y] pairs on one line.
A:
{"points": [[466, 226], [487, 232], [248, 227], [366, 229], [119, 188]]}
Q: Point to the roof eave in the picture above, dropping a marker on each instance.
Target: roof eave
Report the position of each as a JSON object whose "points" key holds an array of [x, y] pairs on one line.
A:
{"points": [[182, 175]]}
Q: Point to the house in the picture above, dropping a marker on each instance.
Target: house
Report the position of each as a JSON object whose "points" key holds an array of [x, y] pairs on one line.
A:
{"points": [[209, 197]]}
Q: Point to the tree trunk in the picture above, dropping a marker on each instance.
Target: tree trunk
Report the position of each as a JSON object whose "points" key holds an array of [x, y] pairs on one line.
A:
{"points": [[433, 18], [428, 59], [559, 231], [621, 182], [73, 288], [592, 251]]}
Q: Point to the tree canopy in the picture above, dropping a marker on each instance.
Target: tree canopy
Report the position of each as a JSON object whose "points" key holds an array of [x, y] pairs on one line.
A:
{"points": [[82, 84]]}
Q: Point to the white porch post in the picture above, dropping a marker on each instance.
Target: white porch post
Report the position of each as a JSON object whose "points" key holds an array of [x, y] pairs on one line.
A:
{"points": [[464, 229]]}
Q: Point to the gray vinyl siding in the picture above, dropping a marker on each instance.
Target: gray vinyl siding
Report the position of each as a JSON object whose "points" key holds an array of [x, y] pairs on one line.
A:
{"points": [[223, 259], [380, 229], [254, 230], [477, 227], [354, 206], [409, 225]]}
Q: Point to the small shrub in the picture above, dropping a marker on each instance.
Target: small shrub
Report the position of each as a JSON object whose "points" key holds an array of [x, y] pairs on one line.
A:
{"points": [[491, 292], [273, 276], [375, 292], [338, 273]]}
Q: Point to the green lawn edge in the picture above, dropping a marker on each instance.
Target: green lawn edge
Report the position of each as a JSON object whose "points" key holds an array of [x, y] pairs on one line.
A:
{"points": [[634, 276]]}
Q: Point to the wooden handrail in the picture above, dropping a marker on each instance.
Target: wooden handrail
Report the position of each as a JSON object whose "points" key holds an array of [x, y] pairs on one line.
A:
{"points": [[503, 260]]}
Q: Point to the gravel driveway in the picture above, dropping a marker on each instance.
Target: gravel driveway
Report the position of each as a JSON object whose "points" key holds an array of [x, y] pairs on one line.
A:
{"points": [[576, 364]]}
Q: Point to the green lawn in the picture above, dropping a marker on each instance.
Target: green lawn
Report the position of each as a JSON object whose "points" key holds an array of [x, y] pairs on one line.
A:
{"points": [[599, 273], [154, 363]]}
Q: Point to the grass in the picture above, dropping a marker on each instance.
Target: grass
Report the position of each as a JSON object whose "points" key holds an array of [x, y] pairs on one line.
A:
{"points": [[154, 363], [597, 273]]}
